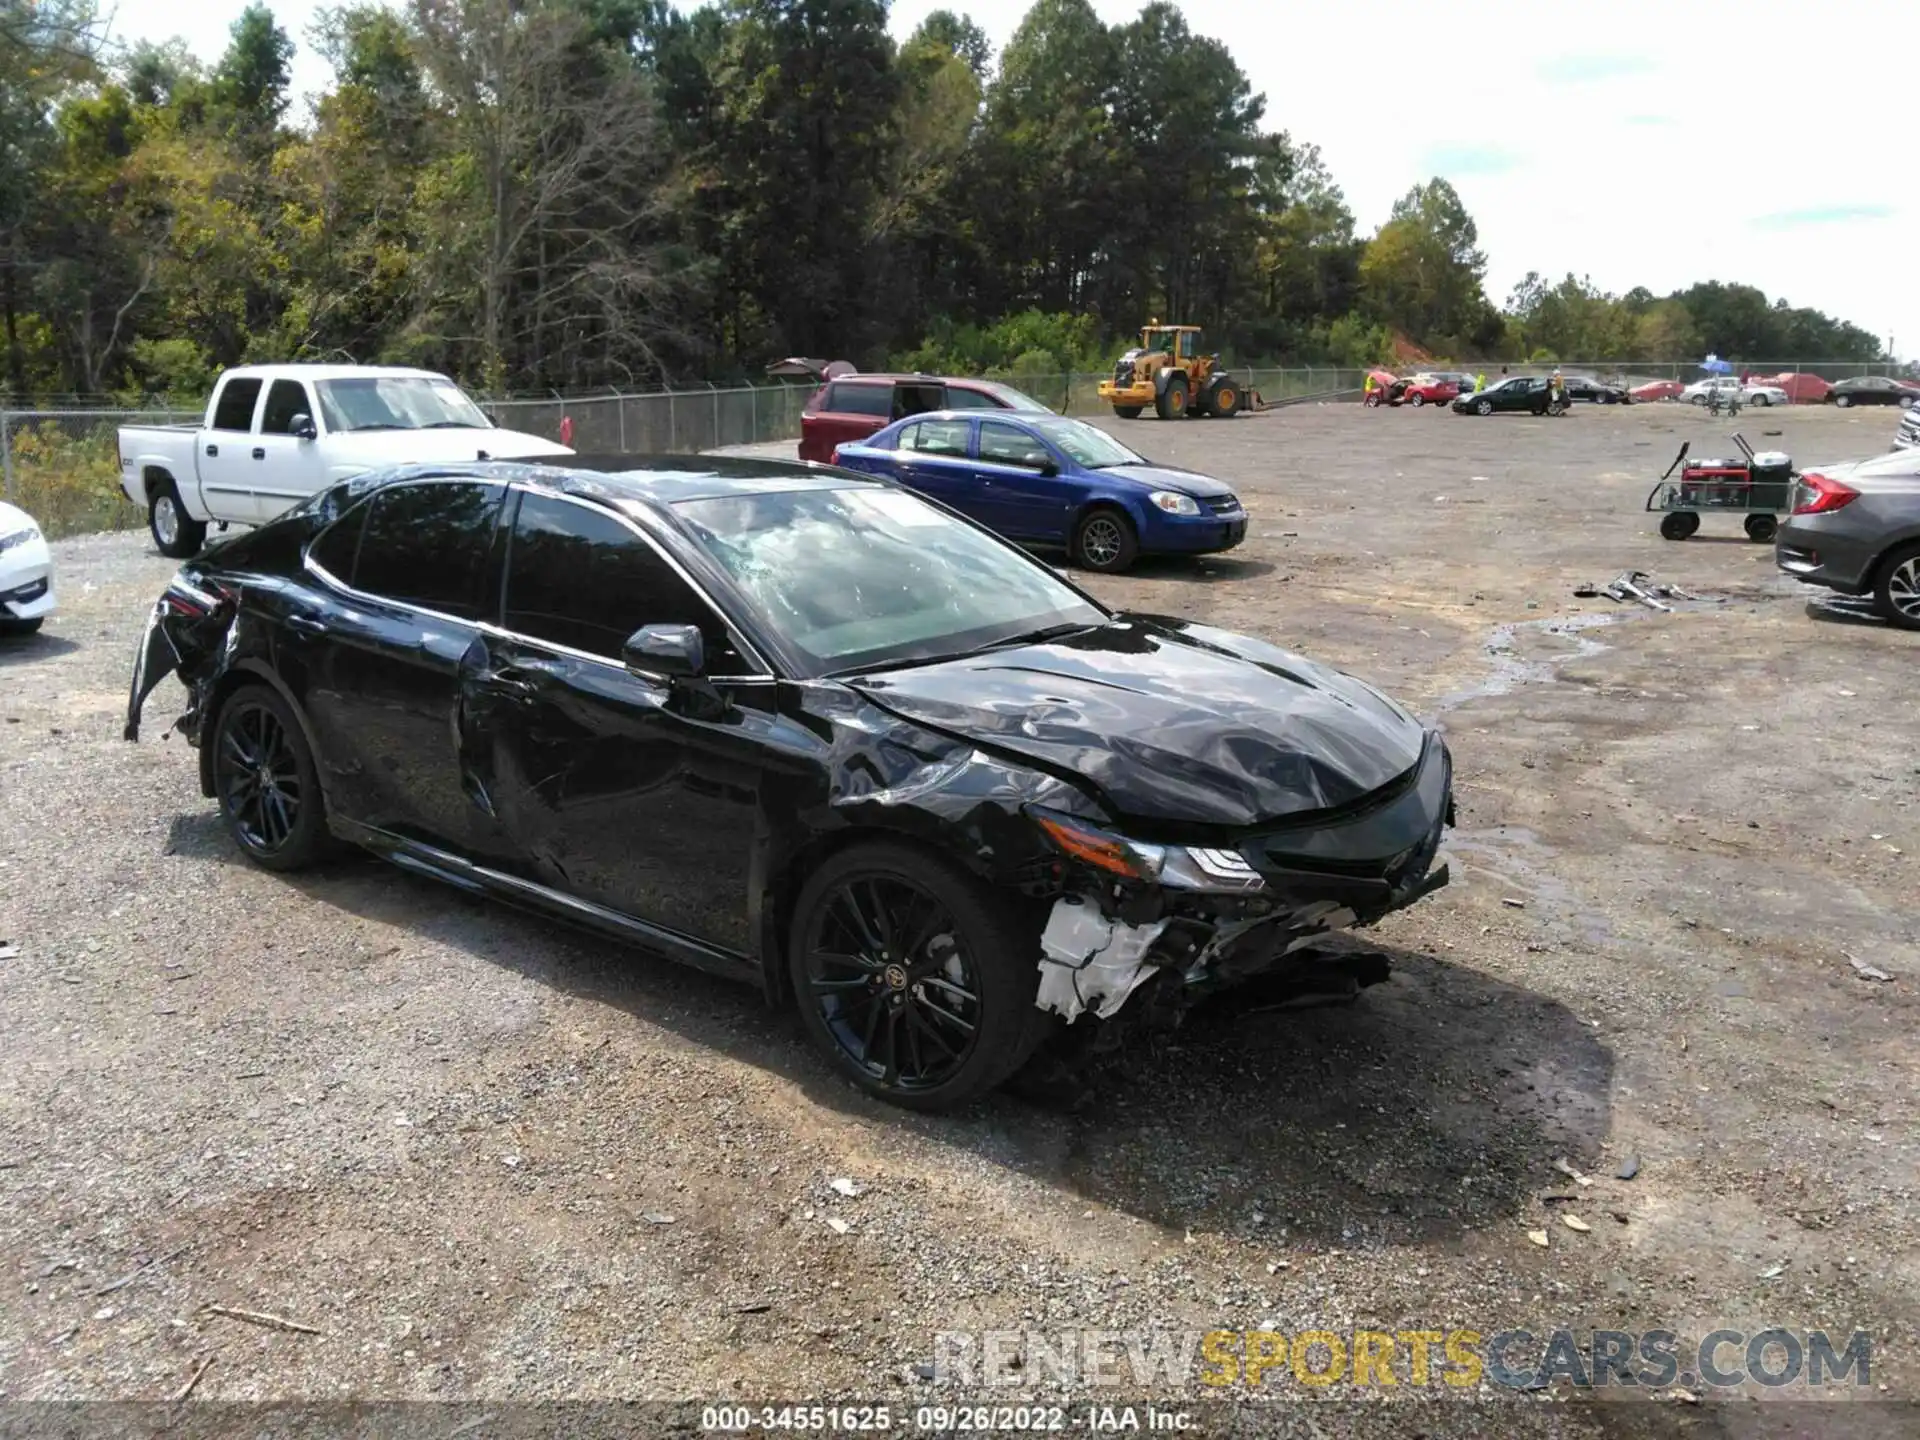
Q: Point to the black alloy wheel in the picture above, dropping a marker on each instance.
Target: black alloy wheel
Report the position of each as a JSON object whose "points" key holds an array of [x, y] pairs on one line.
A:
{"points": [[917, 981], [265, 781]]}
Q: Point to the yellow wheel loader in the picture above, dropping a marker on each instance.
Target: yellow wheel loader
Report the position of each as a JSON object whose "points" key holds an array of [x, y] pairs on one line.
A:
{"points": [[1168, 372]]}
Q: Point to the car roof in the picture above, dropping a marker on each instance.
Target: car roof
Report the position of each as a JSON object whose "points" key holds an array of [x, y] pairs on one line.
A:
{"points": [[301, 370], [657, 480], [902, 377]]}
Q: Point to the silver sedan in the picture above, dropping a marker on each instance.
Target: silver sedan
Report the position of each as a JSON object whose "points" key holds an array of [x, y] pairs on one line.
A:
{"points": [[1855, 528]]}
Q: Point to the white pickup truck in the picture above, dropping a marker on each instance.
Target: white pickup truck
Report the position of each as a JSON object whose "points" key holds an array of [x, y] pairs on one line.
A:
{"points": [[275, 434]]}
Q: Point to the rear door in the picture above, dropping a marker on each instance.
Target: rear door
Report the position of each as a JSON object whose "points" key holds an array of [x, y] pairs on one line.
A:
{"points": [[286, 468], [848, 410], [933, 457], [417, 567], [225, 462]]}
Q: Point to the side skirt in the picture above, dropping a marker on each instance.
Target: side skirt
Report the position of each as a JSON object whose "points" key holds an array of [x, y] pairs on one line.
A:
{"points": [[528, 895]]}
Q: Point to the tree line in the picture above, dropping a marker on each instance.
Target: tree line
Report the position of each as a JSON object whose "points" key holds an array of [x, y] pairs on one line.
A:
{"points": [[573, 194]]}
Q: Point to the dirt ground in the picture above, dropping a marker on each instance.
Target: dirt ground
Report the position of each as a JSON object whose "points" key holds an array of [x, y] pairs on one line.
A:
{"points": [[487, 1160]]}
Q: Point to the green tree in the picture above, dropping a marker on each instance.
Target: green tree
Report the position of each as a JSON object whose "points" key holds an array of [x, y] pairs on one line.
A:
{"points": [[955, 35]]}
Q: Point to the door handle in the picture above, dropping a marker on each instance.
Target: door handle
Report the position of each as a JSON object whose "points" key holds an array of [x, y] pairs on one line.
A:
{"points": [[306, 625], [259, 452], [213, 449]]}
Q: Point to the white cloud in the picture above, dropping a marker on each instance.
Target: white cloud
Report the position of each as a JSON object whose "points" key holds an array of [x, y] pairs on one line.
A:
{"points": [[1642, 142]]}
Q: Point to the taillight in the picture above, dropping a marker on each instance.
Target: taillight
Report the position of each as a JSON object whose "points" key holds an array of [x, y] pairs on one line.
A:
{"points": [[1817, 495], [834, 459]]}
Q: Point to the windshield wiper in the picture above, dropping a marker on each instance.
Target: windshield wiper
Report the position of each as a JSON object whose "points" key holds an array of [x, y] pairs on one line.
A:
{"points": [[454, 425], [360, 429], [1043, 634]]}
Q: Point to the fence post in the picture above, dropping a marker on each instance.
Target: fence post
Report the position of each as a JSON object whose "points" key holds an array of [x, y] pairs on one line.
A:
{"points": [[753, 412], [673, 432], [620, 408], [6, 450], [716, 413]]}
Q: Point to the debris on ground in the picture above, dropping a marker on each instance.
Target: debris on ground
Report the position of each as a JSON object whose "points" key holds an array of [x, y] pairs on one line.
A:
{"points": [[1515, 903], [1773, 1272], [843, 1186], [1538, 1237], [1866, 971], [1628, 1168], [261, 1317], [192, 1380], [653, 1217], [8, 950], [1575, 1223], [837, 1225]]}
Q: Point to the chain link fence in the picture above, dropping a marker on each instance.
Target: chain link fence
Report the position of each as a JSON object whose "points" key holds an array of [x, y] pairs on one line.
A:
{"points": [[61, 462]]}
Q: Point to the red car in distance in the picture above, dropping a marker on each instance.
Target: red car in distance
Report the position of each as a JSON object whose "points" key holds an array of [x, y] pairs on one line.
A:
{"points": [[850, 407], [1658, 390], [1429, 390]]}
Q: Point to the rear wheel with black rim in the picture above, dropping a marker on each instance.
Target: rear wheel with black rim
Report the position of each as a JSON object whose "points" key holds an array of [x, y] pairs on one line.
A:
{"points": [[913, 977], [1105, 541], [266, 782], [1896, 592], [1762, 528]]}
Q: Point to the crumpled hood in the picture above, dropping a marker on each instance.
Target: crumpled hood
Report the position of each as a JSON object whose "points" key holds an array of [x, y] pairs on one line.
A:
{"points": [[377, 449], [1173, 723], [1163, 477]]}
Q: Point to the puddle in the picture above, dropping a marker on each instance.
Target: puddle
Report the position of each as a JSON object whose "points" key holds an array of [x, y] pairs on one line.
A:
{"points": [[1516, 861], [1510, 669]]}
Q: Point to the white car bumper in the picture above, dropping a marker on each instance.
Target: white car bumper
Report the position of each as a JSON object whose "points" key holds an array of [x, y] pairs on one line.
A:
{"points": [[26, 580]]}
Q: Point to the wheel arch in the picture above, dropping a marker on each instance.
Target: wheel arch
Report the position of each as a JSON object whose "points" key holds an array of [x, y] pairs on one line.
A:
{"points": [[1904, 540], [154, 476], [238, 675]]}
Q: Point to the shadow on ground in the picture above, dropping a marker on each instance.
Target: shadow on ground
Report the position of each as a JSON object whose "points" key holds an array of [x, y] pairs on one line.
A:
{"points": [[1434, 1105]]}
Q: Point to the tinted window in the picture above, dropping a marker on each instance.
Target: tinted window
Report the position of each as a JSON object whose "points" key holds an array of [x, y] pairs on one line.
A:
{"points": [[844, 399], [578, 577], [428, 544], [235, 410], [285, 400], [1006, 445], [962, 399], [339, 545], [936, 437]]}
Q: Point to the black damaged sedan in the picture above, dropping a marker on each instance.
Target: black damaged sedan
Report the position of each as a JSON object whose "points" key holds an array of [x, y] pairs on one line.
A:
{"points": [[806, 729]]}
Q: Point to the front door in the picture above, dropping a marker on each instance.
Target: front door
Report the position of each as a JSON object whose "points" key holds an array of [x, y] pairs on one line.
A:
{"points": [[1027, 503], [610, 784], [286, 469], [381, 674]]}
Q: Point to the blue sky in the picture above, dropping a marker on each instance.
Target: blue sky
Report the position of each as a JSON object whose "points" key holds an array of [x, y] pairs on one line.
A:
{"points": [[1638, 143]]}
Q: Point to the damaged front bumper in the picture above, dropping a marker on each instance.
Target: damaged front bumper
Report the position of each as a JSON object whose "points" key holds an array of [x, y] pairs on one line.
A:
{"points": [[186, 625], [1183, 923]]}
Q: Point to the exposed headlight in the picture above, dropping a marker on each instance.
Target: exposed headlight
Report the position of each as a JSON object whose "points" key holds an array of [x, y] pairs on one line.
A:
{"points": [[18, 537], [1180, 866], [1174, 503]]}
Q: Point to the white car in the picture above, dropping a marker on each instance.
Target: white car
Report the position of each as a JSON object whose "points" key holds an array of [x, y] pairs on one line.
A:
{"points": [[1726, 386], [26, 573], [275, 434]]}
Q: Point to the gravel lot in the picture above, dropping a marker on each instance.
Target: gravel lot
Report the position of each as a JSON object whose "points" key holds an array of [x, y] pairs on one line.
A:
{"points": [[487, 1159]]}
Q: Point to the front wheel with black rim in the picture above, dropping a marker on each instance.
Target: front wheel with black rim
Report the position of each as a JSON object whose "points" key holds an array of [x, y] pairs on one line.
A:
{"points": [[1104, 540], [1761, 529], [266, 782], [1896, 593], [176, 534], [913, 977]]}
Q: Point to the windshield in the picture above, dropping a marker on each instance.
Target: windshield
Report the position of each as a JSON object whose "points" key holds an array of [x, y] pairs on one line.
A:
{"points": [[862, 577], [1017, 399], [1088, 445], [398, 402]]}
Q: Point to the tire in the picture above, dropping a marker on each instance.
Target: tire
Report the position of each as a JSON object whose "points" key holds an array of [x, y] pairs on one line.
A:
{"points": [[1896, 588], [1105, 541], [22, 627], [1761, 529], [1843, 401], [883, 1009], [1679, 525], [176, 534], [1372, 402], [281, 824], [1128, 412], [1696, 399], [1761, 400], [1171, 404], [1224, 400], [1905, 402], [1483, 407]]}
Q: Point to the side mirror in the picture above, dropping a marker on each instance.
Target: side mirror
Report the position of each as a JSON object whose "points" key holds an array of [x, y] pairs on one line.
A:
{"points": [[676, 651], [1047, 467], [302, 427]]}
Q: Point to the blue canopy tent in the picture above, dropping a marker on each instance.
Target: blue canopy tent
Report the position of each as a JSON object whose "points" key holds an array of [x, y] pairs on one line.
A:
{"points": [[1714, 365]]}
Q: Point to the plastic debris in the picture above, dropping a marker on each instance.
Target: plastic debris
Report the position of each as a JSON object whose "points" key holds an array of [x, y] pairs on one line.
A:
{"points": [[1538, 1237], [1628, 1168], [1574, 1222], [1866, 971], [843, 1186], [837, 1225]]}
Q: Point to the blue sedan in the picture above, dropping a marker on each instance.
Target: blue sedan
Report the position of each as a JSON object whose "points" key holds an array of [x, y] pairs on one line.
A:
{"points": [[1050, 481]]}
